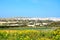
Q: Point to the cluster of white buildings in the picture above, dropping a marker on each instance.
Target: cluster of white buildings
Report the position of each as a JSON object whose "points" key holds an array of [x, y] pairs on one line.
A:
{"points": [[28, 21]]}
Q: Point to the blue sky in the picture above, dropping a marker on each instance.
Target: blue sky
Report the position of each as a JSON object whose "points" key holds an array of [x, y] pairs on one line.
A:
{"points": [[30, 8]]}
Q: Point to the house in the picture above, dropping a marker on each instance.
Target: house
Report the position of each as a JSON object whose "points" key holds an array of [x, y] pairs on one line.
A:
{"points": [[31, 24], [45, 23]]}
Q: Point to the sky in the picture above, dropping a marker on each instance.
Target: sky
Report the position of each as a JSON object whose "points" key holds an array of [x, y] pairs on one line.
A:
{"points": [[29, 8]]}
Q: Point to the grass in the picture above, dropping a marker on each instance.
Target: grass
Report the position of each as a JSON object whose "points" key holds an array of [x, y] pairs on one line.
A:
{"points": [[28, 28]]}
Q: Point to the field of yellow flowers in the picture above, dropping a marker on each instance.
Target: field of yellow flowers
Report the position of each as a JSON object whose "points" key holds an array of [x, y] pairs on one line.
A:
{"points": [[29, 35]]}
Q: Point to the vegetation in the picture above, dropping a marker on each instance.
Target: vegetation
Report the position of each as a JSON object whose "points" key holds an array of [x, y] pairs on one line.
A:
{"points": [[55, 24], [30, 34]]}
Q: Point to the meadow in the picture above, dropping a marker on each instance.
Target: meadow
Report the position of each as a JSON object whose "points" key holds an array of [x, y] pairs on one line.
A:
{"points": [[30, 34]]}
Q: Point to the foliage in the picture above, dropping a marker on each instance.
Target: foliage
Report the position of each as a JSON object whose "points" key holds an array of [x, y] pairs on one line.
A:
{"points": [[29, 35]]}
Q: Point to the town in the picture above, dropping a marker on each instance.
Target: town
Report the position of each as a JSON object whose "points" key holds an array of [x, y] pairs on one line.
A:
{"points": [[29, 22]]}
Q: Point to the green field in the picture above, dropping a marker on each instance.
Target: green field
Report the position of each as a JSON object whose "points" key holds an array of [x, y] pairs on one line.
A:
{"points": [[29, 28]]}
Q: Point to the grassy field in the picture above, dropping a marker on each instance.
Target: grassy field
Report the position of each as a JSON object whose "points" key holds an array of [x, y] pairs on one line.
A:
{"points": [[30, 34], [28, 28]]}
